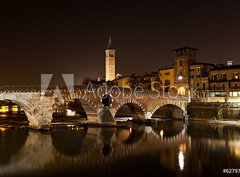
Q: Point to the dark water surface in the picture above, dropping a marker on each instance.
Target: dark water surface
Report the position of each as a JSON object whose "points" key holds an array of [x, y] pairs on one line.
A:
{"points": [[169, 148]]}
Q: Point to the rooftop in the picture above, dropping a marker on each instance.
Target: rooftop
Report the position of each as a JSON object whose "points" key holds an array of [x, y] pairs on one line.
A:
{"points": [[224, 67], [184, 49], [202, 63]]}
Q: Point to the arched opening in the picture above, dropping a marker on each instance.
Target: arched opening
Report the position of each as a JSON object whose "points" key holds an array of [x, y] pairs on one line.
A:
{"points": [[12, 112], [69, 140], [130, 135], [168, 111], [129, 111], [70, 111]]}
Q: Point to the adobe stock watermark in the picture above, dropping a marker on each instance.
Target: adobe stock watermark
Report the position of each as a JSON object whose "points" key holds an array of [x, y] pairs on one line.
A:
{"points": [[99, 91], [68, 80]]}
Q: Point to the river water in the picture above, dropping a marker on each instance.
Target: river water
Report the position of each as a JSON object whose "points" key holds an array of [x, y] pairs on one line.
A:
{"points": [[168, 148]]}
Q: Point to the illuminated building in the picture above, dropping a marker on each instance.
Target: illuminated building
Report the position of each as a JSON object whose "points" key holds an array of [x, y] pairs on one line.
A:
{"points": [[199, 80], [224, 84], [110, 62], [148, 81], [166, 76]]}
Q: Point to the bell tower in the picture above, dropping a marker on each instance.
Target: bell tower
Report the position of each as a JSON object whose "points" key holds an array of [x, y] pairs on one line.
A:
{"points": [[183, 58], [110, 61]]}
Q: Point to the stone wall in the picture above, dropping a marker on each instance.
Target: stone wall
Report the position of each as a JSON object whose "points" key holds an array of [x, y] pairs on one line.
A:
{"points": [[210, 110]]}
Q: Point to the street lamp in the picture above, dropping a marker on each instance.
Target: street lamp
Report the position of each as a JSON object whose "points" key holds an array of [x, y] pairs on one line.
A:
{"points": [[181, 90], [180, 77]]}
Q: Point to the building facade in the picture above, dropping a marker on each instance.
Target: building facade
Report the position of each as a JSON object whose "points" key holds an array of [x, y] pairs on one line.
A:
{"points": [[166, 76], [199, 81], [224, 84]]}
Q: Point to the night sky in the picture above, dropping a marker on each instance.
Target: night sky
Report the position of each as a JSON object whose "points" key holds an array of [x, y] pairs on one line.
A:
{"points": [[41, 37]]}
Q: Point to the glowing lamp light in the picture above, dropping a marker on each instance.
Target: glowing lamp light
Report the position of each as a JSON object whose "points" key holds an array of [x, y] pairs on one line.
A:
{"points": [[70, 112], [15, 108], [180, 77]]}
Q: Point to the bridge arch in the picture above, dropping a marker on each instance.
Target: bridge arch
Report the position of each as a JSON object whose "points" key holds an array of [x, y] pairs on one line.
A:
{"points": [[89, 108], [130, 109], [38, 108], [25, 106], [171, 111]]}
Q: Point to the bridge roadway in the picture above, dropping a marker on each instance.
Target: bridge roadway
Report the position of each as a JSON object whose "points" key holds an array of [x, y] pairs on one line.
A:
{"points": [[39, 106]]}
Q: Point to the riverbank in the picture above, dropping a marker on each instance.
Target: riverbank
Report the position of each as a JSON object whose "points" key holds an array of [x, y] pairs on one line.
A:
{"points": [[225, 122], [217, 110]]}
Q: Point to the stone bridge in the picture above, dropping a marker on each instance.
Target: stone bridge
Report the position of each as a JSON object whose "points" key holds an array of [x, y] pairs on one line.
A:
{"points": [[101, 105]]}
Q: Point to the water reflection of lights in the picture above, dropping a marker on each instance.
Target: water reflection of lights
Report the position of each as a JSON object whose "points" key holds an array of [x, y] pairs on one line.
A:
{"points": [[123, 134], [161, 133], [182, 150], [181, 160], [234, 148], [70, 126]]}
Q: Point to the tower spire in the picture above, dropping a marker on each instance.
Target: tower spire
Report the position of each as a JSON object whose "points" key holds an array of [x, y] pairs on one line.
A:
{"points": [[110, 43]]}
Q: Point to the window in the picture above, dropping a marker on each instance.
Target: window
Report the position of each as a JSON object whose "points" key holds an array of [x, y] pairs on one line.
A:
{"points": [[235, 76], [223, 76], [204, 86], [167, 73], [167, 82], [180, 63], [234, 94], [198, 84], [218, 94], [223, 86], [214, 77]]}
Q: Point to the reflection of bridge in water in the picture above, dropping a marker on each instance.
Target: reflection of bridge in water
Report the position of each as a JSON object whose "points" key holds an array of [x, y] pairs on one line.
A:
{"points": [[171, 144], [87, 147]]}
